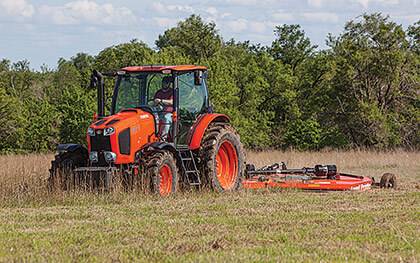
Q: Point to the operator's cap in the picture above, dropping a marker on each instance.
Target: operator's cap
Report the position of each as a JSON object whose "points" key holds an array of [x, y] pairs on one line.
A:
{"points": [[166, 81]]}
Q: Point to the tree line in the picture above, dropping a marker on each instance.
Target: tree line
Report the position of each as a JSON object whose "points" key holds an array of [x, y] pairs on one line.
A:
{"points": [[363, 90]]}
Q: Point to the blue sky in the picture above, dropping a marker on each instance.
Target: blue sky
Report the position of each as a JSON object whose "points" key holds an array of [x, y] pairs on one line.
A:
{"points": [[42, 31]]}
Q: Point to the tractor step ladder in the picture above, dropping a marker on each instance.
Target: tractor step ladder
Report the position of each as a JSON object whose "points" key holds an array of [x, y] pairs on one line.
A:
{"points": [[189, 167]]}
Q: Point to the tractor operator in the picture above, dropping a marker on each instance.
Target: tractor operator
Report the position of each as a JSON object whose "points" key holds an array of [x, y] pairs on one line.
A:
{"points": [[164, 98]]}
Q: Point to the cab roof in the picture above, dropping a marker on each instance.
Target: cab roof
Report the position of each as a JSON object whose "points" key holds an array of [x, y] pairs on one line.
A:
{"points": [[158, 68]]}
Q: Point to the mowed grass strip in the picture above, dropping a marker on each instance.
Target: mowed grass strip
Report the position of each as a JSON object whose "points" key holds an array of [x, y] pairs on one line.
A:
{"points": [[266, 225]]}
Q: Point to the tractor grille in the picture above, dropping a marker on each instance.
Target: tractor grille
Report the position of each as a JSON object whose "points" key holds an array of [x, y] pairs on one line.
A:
{"points": [[124, 141], [101, 160], [100, 143]]}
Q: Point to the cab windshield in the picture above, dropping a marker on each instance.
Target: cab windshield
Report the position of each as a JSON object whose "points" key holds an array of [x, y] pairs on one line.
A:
{"points": [[137, 90]]}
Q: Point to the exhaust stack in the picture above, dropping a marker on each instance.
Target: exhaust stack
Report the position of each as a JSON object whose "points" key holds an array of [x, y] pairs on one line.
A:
{"points": [[97, 81]]}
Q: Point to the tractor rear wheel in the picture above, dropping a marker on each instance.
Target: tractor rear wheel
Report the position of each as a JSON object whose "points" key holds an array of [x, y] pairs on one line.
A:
{"points": [[222, 158], [61, 173], [161, 170]]}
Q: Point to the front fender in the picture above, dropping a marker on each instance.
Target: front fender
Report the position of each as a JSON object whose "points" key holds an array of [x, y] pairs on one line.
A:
{"points": [[160, 146], [71, 147]]}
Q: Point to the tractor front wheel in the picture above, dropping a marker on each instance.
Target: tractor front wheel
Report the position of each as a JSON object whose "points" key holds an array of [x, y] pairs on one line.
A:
{"points": [[222, 158], [61, 171], [161, 169]]}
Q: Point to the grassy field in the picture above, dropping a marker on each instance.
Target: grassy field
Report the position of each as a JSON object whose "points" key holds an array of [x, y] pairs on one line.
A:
{"points": [[267, 225]]}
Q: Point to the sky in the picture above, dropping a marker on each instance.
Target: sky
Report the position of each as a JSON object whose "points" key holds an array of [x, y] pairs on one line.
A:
{"points": [[42, 31]]}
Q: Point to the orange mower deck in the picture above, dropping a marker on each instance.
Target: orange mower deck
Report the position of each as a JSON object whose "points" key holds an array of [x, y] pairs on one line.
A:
{"points": [[341, 183], [320, 177]]}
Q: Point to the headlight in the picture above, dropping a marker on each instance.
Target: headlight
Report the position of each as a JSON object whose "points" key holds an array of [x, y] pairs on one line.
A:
{"points": [[110, 156], [93, 157], [91, 131], [108, 131]]}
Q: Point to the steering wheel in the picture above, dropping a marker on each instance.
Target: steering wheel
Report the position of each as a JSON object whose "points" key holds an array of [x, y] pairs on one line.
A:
{"points": [[151, 109], [152, 101]]}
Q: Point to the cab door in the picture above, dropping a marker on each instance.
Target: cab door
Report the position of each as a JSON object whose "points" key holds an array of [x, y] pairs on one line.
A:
{"points": [[192, 102]]}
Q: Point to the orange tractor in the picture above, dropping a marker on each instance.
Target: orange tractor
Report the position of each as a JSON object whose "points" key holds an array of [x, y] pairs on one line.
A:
{"points": [[162, 134]]}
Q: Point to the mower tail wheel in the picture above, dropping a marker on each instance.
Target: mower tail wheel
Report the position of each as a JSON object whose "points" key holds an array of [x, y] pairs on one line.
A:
{"points": [[388, 180]]}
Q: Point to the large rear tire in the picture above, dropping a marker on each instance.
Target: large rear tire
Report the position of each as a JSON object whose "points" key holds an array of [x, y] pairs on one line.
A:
{"points": [[222, 158], [161, 172]]}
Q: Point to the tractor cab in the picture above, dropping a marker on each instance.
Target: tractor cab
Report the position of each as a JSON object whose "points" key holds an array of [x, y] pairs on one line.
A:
{"points": [[175, 96]]}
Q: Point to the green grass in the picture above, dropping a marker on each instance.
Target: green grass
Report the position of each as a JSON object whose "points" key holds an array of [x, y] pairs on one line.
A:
{"points": [[249, 226], [266, 225]]}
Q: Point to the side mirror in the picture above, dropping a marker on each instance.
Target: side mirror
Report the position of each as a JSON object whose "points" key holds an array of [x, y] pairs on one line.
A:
{"points": [[198, 77], [95, 79]]}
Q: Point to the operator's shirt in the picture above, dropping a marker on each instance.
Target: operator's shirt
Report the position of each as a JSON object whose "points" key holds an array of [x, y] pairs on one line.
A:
{"points": [[165, 95]]}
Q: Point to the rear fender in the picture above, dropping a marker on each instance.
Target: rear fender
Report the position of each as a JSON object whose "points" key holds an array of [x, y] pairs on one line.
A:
{"points": [[200, 126]]}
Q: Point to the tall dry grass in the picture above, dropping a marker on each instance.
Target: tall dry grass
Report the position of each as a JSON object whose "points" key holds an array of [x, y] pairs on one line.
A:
{"points": [[21, 174], [24, 176]]}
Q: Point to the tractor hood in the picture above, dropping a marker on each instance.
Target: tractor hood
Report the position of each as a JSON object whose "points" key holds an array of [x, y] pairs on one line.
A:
{"points": [[122, 119], [123, 134]]}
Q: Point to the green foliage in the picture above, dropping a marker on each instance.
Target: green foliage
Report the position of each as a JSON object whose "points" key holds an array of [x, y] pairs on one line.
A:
{"points": [[84, 65], [192, 37], [170, 56], [76, 107], [361, 91], [304, 135], [376, 81], [123, 55], [291, 46], [414, 37], [42, 126], [238, 88], [12, 123]]}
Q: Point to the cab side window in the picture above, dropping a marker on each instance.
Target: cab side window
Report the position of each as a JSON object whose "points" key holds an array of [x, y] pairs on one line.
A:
{"points": [[192, 97], [154, 84]]}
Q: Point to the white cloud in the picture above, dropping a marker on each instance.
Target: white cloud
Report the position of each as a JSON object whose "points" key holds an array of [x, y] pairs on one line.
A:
{"points": [[241, 25], [257, 27], [282, 16], [19, 8], [87, 11], [164, 9], [364, 3], [212, 14], [410, 18], [251, 2], [324, 17], [316, 3], [238, 25], [226, 14], [212, 11], [165, 22]]}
